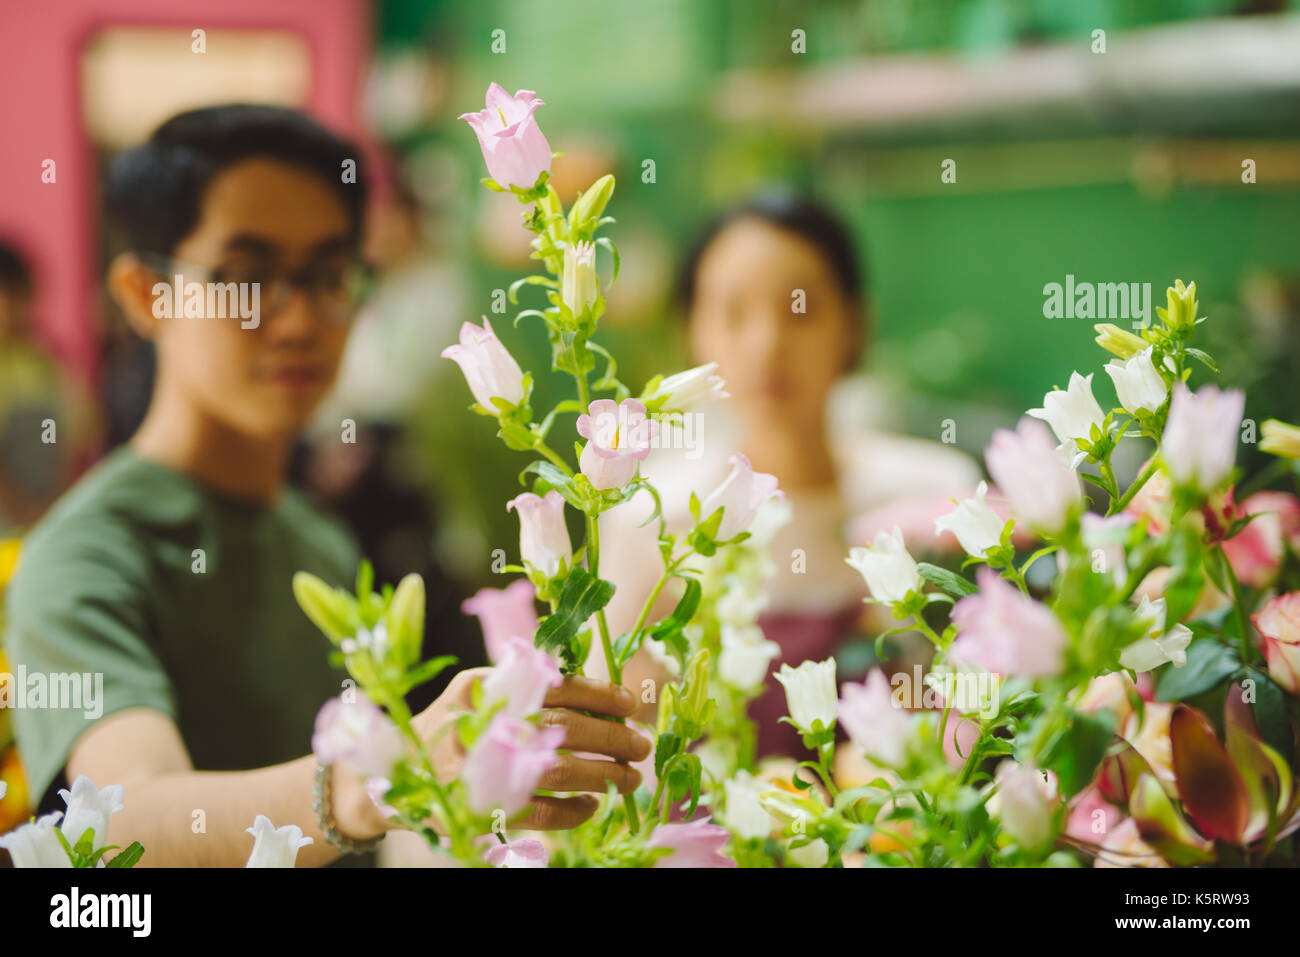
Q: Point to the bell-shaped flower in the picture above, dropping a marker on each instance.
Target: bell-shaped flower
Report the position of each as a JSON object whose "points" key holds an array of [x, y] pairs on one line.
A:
{"points": [[889, 570], [89, 807], [504, 613], [810, 694], [514, 148], [37, 843], [358, 733], [543, 537], [694, 844], [687, 391], [521, 678], [489, 368], [1040, 487], [740, 496], [1072, 413], [524, 852], [1002, 631], [619, 436], [506, 764], [1137, 383], [874, 721], [977, 527], [275, 846], [1199, 445]]}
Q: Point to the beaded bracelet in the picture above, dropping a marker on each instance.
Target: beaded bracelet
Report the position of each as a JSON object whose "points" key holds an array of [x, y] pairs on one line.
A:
{"points": [[323, 807]]}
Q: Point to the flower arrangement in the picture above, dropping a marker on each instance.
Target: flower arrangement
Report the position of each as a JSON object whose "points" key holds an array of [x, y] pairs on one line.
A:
{"points": [[1118, 710]]}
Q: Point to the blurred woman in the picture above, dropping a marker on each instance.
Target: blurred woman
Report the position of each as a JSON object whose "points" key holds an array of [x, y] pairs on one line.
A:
{"points": [[773, 292]]}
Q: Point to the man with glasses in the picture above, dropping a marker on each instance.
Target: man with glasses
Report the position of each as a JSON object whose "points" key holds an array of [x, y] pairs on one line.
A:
{"points": [[167, 569]]}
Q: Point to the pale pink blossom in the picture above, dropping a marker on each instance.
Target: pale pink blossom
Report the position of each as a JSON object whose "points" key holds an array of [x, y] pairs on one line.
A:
{"points": [[521, 678], [875, 723], [742, 493], [1199, 445], [524, 852], [359, 734], [503, 613], [1040, 487], [489, 368], [514, 148], [543, 537], [619, 436], [506, 763], [1002, 631], [694, 844]]}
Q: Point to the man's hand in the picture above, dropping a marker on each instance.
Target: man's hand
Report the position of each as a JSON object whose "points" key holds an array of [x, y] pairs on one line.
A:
{"points": [[582, 733]]}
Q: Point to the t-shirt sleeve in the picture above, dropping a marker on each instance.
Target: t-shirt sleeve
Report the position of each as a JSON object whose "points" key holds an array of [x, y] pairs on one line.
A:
{"points": [[78, 627]]}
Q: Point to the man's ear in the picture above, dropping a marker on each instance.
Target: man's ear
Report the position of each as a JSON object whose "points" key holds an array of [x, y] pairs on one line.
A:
{"points": [[131, 284]]}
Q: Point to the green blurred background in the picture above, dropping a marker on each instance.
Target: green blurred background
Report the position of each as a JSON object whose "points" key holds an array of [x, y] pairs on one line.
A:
{"points": [[1122, 166]]}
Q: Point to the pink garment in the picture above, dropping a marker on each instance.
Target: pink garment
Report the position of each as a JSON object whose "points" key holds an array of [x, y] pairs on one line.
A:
{"points": [[803, 636]]}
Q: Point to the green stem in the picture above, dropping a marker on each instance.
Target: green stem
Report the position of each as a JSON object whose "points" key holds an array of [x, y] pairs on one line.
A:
{"points": [[1118, 506], [1239, 605], [553, 458]]}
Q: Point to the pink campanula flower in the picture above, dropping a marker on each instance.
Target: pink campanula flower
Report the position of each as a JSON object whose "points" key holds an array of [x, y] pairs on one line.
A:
{"points": [[503, 613], [1002, 631], [514, 147], [619, 436], [506, 764]]}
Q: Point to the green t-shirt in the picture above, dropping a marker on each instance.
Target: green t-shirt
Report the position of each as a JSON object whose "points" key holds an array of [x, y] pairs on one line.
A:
{"points": [[182, 599]]}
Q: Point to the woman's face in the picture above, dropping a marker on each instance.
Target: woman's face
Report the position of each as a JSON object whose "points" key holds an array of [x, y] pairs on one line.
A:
{"points": [[769, 311]]}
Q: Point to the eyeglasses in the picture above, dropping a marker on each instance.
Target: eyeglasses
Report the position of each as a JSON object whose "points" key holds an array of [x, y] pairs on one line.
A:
{"points": [[338, 290]]}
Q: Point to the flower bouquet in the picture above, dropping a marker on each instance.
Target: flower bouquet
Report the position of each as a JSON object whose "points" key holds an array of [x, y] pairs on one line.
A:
{"points": [[1117, 710]]}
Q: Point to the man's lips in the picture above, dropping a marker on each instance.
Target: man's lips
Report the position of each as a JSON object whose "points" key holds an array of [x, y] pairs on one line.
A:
{"points": [[297, 377]]}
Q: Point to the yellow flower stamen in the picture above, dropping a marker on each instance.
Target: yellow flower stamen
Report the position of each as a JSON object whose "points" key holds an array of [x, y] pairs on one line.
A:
{"points": [[502, 114]]}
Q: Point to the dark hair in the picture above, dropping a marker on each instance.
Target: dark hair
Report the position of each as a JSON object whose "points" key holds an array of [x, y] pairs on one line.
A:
{"points": [[15, 273], [795, 213], [155, 191]]}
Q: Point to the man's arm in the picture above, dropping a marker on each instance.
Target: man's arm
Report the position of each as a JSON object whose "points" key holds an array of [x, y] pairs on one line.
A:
{"points": [[142, 750]]}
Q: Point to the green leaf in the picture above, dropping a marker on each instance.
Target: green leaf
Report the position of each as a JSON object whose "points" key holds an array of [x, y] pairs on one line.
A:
{"points": [[950, 582], [1203, 357], [581, 597], [86, 843], [665, 747], [426, 671], [1075, 755], [1208, 664], [1271, 713], [129, 857]]}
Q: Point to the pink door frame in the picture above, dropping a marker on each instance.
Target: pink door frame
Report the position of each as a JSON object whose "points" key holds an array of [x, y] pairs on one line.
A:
{"points": [[41, 45]]}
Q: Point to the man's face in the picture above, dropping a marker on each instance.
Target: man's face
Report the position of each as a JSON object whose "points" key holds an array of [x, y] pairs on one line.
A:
{"points": [[258, 218]]}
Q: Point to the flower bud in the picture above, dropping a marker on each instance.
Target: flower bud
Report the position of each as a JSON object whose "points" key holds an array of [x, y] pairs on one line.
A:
{"points": [[591, 204], [1119, 341], [1280, 438], [695, 688], [1181, 312], [580, 287]]}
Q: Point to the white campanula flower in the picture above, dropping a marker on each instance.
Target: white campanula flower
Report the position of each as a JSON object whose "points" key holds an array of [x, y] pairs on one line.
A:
{"points": [[37, 844], [977, 527], [1137, 383], [686, 391], [89, 807], [746, 656], [1158, 646], [275, 846], [813, 854], [890, 572], [746, 816], [810, 694], [1071, 412]]}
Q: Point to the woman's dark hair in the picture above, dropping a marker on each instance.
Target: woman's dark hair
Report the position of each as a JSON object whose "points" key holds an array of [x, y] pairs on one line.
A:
{"points": [[155, 191], [795, 213]]}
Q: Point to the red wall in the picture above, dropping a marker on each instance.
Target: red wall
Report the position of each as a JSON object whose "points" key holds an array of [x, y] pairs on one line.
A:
{"points": [[41, 44]]}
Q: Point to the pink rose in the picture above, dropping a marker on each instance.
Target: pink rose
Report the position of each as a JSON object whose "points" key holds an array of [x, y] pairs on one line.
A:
{"points": [[619, 436], [1004, 632], [521, 678], [1256, 551], [1279, 623], [506, 764], [694, 844], [1092, 817], [503, 613], [514, 149]]}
